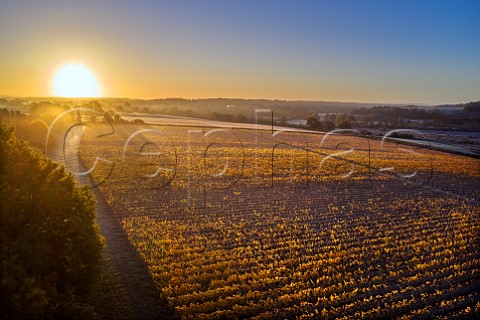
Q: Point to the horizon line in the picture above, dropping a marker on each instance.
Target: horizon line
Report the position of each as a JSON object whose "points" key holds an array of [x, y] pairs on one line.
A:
{"points": [[239, 98]]}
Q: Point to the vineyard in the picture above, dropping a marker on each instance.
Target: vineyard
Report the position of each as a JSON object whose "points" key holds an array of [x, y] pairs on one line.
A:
{"points": [[237, 223]]}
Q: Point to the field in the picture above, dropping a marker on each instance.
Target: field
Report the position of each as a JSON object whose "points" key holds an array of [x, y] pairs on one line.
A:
{"points": [[242, 223]]}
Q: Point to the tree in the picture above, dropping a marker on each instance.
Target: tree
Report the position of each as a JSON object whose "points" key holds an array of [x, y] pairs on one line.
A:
{"points": [[331, 117], [4, 113], [46, 109], [34, 131], [49, 243], [328, 125], [340, 117], [314, 123], [344, 125]]}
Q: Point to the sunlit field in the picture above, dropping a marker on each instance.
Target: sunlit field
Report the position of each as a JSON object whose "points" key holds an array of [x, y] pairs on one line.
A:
{"points": [[237, 223]]}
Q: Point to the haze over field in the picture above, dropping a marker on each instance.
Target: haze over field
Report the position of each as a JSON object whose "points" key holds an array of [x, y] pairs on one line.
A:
{"points": [[370, 51]]}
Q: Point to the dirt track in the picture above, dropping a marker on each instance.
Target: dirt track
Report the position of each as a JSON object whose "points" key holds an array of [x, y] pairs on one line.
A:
{"points": [[125, 290]]}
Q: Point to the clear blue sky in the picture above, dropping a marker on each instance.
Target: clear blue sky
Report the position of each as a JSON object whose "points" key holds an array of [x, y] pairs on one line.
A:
{"points": [[375, 51]]}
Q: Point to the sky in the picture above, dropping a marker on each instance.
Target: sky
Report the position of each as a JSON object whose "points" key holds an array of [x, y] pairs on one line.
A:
{"points": [[387, 51]]}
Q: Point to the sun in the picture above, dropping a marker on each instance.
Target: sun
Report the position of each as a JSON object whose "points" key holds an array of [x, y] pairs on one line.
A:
{"points": [[75, 81]]}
